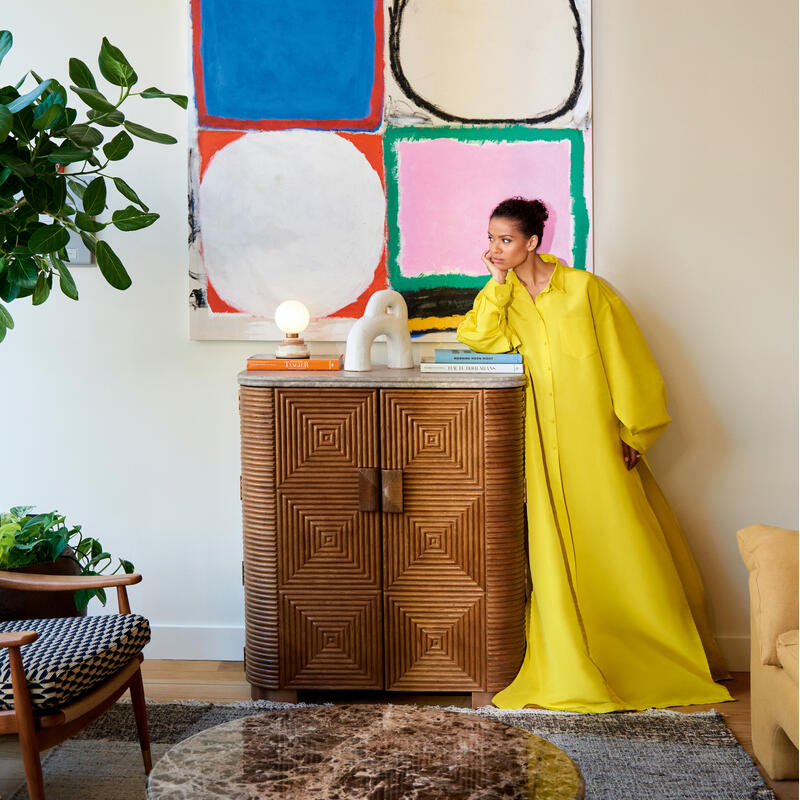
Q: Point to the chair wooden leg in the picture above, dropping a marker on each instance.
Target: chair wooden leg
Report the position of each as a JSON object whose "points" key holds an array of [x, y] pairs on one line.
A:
{"points": [[28, 741], [140, 713]]}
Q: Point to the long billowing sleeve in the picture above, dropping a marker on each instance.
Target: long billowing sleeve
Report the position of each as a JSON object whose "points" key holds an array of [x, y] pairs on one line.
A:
{"points": [[637, 389], [485, 328]]}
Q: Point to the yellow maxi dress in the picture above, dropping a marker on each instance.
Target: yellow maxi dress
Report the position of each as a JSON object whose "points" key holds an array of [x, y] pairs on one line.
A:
{"points": [[616, 619]]}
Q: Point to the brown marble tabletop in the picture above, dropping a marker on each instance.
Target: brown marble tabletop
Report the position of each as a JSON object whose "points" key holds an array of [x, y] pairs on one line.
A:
{"points": [[365, 752]]}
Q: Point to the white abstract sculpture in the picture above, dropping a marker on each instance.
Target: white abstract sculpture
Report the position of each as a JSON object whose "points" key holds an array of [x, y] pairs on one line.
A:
{"points": [[386, 313]]}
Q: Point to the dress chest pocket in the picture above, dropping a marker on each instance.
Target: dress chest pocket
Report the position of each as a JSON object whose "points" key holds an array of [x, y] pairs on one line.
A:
{"points": [[578, 339]]}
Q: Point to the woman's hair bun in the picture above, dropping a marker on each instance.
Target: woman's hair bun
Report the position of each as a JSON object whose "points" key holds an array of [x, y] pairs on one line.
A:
{"points": [[530, 215]]}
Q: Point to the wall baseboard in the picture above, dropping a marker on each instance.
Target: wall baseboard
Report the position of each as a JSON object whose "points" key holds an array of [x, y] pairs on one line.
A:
{"points": [[196, 643], [221, 643]]}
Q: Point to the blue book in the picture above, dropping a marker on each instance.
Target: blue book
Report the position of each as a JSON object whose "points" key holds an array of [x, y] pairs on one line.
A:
{"points": [[444, 355]]}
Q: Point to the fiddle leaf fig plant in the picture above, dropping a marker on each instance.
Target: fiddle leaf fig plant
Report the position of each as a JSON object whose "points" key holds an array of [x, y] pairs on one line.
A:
{"points": [[27, 538], [55, 174]]}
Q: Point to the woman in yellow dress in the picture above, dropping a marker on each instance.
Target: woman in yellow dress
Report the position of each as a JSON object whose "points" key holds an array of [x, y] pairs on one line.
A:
{"points": [[616, 618]]}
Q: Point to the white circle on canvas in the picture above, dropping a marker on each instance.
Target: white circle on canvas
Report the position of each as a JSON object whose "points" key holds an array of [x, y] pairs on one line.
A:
{"points": [[291, 215], [490, 59]]}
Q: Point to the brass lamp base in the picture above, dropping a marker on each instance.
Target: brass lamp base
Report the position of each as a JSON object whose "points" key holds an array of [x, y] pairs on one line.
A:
{"points": [[292, 347]]}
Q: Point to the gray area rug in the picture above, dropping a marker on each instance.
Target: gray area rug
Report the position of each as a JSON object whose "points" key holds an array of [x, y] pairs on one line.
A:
{"points": [[661, 755]]}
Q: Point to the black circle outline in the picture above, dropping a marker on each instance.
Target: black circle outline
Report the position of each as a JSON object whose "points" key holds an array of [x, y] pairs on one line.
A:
{"points": [[395, 16]]}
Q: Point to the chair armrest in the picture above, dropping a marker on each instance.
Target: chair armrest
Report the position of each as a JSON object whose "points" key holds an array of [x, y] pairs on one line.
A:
{"points": [[770, 555], [18, 638], [27, 581]]}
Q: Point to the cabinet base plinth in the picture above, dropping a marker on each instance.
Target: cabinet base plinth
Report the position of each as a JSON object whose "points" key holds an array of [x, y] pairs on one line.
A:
{"points": [[276, 695], [482, 699]]}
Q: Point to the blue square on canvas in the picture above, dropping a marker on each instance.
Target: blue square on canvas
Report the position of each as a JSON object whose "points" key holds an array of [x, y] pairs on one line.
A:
{"points": [[287, 60]]}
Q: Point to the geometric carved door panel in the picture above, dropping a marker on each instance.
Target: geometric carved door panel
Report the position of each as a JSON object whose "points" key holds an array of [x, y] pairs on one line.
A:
{"points": [[326, 544], [329, 572], [434, 641], [433, 438], [433, 554], [331, 644], [323, 439], [434, 544]]}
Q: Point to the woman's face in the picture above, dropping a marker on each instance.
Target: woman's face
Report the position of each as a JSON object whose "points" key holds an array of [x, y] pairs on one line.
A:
{"points": [[508, 245]]}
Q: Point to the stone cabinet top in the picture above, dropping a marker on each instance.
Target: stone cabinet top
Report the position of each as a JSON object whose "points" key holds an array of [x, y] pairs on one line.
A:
{"points": [[380, 377]]}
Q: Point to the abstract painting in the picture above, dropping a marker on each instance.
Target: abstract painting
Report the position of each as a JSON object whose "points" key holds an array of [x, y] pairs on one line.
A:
{"points": [[341, 148]]}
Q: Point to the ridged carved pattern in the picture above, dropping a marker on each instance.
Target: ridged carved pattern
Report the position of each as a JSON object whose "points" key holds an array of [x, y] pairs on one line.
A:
{"points": [[432, 436], [434, 567], [330, 544], [506, 559], [437, 542], [257, 411], [324, 437], [435, 642], [331, 643]]}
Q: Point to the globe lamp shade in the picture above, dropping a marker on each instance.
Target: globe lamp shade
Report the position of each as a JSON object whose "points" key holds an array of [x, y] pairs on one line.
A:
{"points": [[292, 317]]}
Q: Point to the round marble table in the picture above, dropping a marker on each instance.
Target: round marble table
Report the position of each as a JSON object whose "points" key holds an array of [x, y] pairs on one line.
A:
{"points": [[365, 752]]}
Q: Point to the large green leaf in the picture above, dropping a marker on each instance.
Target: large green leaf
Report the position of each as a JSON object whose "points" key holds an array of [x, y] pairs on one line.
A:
{"points": [[89, 241], [6, 40], [48, 239], [111, 267], [23, 273], [146, 133], [48, 118], [114, 66], [23, 125], [58, 197], [94, 198], [131, 219], [118, 147], [16, 165], [55, 94], [84, 135], [42, 290], [5, 317], [80, 74], [65, 279], [76, 188], [128, 193], [179, 99], [87, 223], [68, 153], [27, 99], [93, 99], [38, 193], [6, 121], [109, 119]]}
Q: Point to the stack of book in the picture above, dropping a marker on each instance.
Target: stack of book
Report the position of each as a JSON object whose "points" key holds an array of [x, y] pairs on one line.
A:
{"points": [[462, 360], [326, 362]]}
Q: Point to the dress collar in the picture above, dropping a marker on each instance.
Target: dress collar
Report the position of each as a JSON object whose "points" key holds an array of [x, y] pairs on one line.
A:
{"points": [[556, 279]]}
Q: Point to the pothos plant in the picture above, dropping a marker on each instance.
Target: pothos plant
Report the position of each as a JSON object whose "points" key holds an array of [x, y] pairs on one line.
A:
{"points": [[54, 175], [27, 539]]}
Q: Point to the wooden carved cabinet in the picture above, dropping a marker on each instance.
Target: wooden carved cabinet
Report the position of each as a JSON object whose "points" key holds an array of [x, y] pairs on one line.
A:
{"points": [[383, 531]]}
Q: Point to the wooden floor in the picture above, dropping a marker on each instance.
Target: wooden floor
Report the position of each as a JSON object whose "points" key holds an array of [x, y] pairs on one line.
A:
{"points": [[224, 681]]}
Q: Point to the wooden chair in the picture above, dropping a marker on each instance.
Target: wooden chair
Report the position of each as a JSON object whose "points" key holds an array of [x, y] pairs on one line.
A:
{"points": [[90, 688]]}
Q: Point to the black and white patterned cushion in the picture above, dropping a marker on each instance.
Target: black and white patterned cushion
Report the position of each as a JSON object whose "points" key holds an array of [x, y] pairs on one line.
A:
{"points": [[71, 655]]}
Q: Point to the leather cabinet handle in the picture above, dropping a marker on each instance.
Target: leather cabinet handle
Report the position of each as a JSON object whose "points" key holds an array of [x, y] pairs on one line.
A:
{"points": [[392, 489], [369, 498]]}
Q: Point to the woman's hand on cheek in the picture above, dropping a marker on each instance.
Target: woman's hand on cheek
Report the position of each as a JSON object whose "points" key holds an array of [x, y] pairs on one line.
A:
{"points": [[498, 274]]}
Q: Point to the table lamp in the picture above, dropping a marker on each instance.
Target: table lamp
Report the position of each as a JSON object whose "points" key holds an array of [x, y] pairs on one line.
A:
{"points": [[292, 317]]}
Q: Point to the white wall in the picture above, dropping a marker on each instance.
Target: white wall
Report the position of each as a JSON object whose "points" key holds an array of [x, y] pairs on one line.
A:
{"points": [[115, 418], [696, 224]]}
